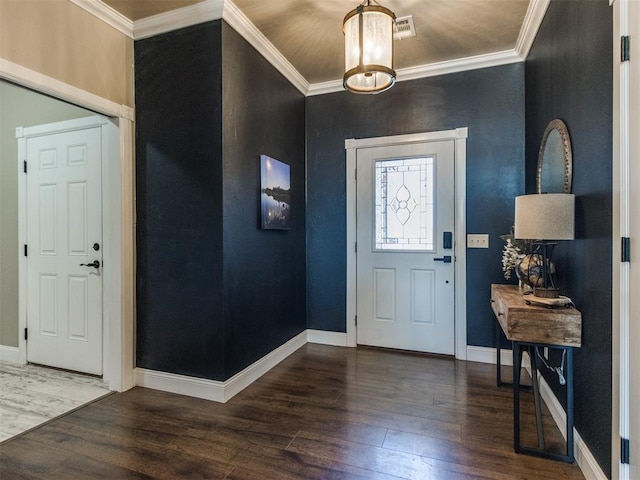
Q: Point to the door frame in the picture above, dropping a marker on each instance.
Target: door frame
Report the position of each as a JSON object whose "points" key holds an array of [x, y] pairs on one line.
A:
{"points": [[459, 136], [626, 167], [119, 221]]}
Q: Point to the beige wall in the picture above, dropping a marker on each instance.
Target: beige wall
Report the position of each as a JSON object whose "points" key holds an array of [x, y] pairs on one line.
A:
{"points": [[62, 41], [59, 39], [19, 107]]}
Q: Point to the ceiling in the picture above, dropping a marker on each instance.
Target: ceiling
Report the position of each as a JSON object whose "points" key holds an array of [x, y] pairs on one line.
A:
{"points": [[308, 33]]}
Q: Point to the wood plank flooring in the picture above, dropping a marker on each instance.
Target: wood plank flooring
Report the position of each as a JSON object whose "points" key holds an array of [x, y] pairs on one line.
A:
{"points": [[323, 413]]}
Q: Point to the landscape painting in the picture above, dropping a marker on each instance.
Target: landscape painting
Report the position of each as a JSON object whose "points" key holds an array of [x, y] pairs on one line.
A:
{"points": [[275, 198]]}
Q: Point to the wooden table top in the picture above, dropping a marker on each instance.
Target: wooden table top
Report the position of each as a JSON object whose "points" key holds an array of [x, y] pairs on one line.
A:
{"points": [[522, 322]]}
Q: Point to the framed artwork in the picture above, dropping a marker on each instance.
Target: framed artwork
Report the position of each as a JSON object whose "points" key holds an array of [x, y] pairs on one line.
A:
{"points": [[275, 194]]}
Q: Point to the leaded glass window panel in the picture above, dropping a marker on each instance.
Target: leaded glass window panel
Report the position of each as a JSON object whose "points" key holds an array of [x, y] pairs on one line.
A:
{"points": [[404, 210]]}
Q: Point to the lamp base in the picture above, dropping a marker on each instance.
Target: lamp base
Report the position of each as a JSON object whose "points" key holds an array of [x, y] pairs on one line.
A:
{"points": [[549, 292]]}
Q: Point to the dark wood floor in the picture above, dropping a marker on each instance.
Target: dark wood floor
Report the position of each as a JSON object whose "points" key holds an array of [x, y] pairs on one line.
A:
{"points": [[323, 413]]}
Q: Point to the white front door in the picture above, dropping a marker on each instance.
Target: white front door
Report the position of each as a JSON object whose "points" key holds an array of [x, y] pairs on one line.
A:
{"points": [[405, 251], [64, 245]]}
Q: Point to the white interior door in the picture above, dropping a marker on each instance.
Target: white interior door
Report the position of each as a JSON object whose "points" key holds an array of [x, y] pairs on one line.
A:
{"points": [[64, 240], [405, 251]]}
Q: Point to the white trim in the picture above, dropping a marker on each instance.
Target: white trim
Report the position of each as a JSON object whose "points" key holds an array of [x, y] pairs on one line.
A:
{"points": [[122, 336], [626, 22], [583, 455], [322, 88], [208, 10], [352, 213], [459, 65], [355, 143], [621, 273], [488, 355], [241, 24], [530, 26], [61, 127], [175, 19], [215, 390], [22, 240], [108, 15], [9, 354], [119, 369], [351, 145], [461, 135], [431, 70], [323, 337], [230, 13], [180, 384], [50, 86]]}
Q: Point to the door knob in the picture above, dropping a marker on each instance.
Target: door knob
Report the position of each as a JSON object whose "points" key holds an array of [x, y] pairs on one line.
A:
{"points": [[445, 259], [94, 264]]}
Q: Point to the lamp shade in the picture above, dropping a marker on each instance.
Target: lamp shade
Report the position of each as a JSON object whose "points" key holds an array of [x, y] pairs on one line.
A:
{"points": [[368, 49], [546, 216]]}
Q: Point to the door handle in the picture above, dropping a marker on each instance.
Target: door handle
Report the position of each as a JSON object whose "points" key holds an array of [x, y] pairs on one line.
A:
{"points": [[445, 259], [94, 264]]}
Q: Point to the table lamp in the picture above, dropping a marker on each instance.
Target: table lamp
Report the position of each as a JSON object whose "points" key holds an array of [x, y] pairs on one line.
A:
{"points": [[545, 218]]}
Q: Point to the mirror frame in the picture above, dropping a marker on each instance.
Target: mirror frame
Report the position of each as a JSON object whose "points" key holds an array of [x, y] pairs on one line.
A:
{"points": [[559, 126]]}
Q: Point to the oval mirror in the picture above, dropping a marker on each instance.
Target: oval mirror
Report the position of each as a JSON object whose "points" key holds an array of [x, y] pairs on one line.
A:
{"points": [[554, 159]]}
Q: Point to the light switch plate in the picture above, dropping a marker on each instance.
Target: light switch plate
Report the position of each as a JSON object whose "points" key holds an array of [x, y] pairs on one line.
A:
{"points": [[478, 240]]}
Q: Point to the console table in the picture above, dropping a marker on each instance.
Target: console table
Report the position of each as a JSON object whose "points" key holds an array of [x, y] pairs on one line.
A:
{"points": [[528, 326]]}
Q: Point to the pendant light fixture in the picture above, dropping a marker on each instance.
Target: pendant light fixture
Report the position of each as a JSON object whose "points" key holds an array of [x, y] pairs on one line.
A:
{"points": [[368, 49]]}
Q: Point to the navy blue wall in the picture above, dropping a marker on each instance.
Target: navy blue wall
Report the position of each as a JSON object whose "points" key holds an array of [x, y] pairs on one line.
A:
{"points": [[569, 76], [179, 326], [214, 292], [264, 270], [488, 101]]}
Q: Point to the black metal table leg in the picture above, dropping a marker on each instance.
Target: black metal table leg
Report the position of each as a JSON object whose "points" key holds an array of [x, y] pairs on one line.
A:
{"points": [[568, 374], [517, 358], [569, 379], [498, 357], [499, 381], [536, 396]]}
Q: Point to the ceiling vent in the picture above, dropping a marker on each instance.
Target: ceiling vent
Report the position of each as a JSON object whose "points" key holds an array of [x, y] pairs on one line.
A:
{"points": [[404, 28]]}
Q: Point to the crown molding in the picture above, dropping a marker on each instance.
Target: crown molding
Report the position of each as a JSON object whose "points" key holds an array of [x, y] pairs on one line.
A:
{"points": [[530, 26], [432, 70], [225, 9], [241, 24], [459, 65], [321, 88], [175, 19], [230, 13], [108, 15]]}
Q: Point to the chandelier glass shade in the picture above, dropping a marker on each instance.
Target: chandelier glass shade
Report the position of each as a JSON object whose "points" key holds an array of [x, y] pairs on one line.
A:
{"points": [[368, 42]]}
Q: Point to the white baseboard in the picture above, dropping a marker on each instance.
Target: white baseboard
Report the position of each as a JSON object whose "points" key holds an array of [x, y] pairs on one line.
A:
{"points": [[181, 384], [9, 354], [215, 390], [323, 337], [584, 458], [488, 355]]}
